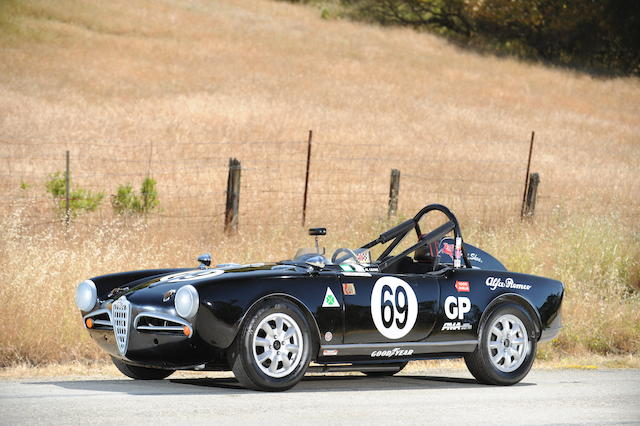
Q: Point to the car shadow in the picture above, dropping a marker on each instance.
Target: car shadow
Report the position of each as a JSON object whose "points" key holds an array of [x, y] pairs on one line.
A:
{"points": [[228, 385]]}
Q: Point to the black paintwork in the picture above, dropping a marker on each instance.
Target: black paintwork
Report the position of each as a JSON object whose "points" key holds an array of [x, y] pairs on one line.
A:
{"points": [[226, 299]]}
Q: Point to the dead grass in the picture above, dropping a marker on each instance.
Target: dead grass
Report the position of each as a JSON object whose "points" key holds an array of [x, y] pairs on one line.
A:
{"points": [[40, 323], [106, 81]]}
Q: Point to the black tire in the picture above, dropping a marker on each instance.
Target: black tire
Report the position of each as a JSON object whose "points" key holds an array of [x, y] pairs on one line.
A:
{"points": [[398, 369], [243, 354], [480, 362], [141, 373]]}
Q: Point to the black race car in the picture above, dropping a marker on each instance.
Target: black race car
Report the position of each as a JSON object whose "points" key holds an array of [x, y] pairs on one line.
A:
{"points": [[423, 297]]}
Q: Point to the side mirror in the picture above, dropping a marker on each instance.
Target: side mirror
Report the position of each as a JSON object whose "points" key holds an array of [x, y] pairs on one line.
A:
{"points": [[317, 231], [205, 260]]}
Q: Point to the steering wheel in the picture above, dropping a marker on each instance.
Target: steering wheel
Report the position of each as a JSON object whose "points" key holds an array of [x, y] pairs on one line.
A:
{"points": [[349, 253]]}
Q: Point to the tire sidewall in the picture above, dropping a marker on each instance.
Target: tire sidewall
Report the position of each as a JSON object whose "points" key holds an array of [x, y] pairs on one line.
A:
{"points": [[501, 377], [245, 350]]}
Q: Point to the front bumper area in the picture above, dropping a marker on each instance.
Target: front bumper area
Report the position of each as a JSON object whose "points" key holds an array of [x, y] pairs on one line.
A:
{"points": [[146, 335]]}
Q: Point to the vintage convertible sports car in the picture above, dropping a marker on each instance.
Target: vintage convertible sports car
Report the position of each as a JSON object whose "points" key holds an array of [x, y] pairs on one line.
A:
{"points": [[437, 298]]}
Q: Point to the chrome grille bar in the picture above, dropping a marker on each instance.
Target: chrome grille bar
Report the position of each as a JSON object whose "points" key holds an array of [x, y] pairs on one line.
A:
{"points": [[120, 312], [171, 323]]}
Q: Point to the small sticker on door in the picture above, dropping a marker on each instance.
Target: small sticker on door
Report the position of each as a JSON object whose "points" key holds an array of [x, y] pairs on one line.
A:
{"points": [[348, 289]]}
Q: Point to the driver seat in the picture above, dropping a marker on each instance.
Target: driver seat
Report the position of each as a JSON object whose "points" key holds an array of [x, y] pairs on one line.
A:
{"points": [[426, 255]]}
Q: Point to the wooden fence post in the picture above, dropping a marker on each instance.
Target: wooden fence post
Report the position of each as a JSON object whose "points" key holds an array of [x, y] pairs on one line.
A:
{"points": [[526, 176], [532, 191], [306, 179], [394, 190], [233, 197]]}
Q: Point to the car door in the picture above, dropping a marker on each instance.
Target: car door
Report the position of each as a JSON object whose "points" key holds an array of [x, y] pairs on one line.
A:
{"points": [[384, 308], [463, 298]]}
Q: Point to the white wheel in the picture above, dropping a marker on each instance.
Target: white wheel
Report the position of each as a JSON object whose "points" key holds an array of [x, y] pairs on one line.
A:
{"points": [[273, 347], [277, 345], [507, 343], [506, 348]]}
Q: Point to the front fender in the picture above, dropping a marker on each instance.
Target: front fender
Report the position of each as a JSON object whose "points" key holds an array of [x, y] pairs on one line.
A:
{"points": [[225, 305]]}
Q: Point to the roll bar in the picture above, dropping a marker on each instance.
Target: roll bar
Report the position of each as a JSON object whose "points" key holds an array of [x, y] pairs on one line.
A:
{"points": [[398, 232]]}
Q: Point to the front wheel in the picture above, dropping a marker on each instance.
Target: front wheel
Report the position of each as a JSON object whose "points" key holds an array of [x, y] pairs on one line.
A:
{"points": [[141, 373], [507, 347], [273, 348]]}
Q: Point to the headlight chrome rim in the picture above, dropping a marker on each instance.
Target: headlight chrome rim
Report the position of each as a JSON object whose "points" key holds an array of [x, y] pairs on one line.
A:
{"points": [[186, 301], [86, 295]]}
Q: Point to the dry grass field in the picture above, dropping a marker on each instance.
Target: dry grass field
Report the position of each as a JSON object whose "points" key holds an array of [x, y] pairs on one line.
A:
{"points": [[174, 88]]}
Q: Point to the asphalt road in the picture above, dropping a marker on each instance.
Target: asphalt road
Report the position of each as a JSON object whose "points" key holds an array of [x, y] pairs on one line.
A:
{"points": [[545, 397]]}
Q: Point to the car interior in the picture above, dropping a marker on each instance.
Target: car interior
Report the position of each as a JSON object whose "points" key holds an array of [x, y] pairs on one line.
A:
{"points": [[424, 260]]}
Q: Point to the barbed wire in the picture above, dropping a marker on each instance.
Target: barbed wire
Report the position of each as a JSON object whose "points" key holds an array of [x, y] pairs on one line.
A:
{"points": [[278, 182]]}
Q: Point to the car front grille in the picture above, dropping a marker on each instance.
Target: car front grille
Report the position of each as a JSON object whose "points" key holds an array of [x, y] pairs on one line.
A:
{"points": [[120, 312]]}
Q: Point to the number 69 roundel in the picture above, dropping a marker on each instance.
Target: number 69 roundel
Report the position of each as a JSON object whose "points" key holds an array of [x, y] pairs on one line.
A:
{"points": [[394, 307]]}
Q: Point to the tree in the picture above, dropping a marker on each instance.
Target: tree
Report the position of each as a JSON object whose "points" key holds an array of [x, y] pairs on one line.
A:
{"points": [[602, 34]]}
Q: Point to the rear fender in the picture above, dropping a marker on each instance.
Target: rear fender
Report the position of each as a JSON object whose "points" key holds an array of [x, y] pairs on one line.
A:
{"points": [[515, 298]]}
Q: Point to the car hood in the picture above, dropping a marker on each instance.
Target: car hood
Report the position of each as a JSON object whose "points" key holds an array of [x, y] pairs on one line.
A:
{"points": [[160, 284]]}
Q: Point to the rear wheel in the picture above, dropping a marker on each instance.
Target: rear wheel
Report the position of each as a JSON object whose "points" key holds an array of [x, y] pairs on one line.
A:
{"points": [[273, 348], [141, 373], [394, 369], [507, 347]]}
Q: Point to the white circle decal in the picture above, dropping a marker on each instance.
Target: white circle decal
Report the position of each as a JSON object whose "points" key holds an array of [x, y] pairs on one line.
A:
{"points": [[394, 307], [196, 274]]}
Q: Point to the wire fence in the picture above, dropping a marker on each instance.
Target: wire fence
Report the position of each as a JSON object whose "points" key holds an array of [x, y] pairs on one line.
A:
{"points": [[346, 183]]}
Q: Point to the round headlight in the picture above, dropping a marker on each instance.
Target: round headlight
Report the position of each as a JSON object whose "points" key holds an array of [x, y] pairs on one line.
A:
{"points": [[186, 301], [86, 295]]}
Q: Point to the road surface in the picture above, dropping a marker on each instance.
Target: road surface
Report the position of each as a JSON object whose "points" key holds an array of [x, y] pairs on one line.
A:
{"points": [[451, 397]]}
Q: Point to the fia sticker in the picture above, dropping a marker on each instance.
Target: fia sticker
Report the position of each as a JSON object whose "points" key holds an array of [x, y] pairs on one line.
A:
{"points": [[394, 307], [328, 336], [348, 289], [330, 300]]}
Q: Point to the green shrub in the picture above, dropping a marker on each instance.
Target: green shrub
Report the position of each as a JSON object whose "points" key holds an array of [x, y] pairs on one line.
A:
{"points": [[80, 199], [126, 201]]}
